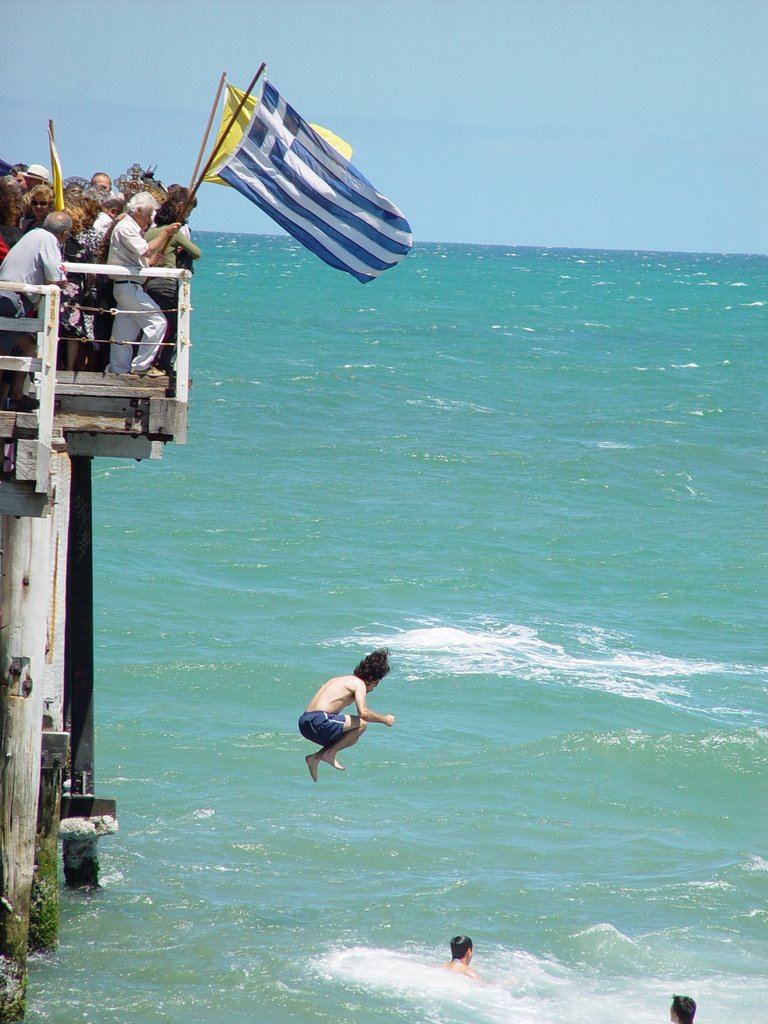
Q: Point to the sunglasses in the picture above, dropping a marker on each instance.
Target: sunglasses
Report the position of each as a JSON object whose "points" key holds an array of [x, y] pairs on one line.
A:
{"points": [[40, 204]]}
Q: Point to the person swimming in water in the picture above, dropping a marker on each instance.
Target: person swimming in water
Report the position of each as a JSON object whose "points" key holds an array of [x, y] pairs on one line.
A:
{"points": [[324, 724], [461, 955], [683, 1010]]}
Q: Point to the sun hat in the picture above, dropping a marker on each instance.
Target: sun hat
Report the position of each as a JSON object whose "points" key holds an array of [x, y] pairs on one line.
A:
{"points": [[37, 171], [75, 184]]}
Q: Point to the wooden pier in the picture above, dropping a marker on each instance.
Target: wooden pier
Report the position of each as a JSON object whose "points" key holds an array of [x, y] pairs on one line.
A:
{"points": [[47, 757]]}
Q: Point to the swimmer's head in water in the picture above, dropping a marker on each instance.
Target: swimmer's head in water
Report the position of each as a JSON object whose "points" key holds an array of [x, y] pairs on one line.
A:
{"points": [[683, 1009], [374, 666], [460, 946]]}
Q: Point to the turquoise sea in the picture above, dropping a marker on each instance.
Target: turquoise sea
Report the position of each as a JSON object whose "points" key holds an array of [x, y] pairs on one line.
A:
{"points": [[539, 477]]}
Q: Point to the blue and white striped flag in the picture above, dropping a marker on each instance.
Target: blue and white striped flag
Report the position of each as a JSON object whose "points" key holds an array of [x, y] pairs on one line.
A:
{"points": [[283, 166]]}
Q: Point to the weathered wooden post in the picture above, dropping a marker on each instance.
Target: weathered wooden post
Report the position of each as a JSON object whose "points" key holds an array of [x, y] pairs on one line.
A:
{"points": [[44, 901], [44, 908], [25, 567]]}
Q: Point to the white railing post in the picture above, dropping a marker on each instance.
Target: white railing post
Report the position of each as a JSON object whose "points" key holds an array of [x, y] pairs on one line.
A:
{"points": [[47, 352], [183, 342]]}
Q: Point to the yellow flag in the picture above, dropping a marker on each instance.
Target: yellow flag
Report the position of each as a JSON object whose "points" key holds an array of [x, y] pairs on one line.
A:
{"points": [[231, 103], [58, 185], [333, 140]]}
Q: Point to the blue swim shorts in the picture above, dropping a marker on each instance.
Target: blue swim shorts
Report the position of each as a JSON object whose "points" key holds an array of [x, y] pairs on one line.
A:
{"points": [[322, 727]]}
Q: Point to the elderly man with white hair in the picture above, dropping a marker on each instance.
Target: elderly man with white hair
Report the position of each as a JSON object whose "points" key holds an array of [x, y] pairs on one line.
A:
{"points": [[136, 311]]}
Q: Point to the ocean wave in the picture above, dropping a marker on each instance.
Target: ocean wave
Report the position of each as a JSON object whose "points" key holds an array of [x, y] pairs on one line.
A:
{"points": [[590, 658], [448, 405], [515, 985], [505, 650], [754, 740], [609, 969], [756, 864]]}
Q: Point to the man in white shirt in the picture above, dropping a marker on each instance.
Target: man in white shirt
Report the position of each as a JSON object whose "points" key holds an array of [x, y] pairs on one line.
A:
{"points": [[136, 310], [36, 259]]}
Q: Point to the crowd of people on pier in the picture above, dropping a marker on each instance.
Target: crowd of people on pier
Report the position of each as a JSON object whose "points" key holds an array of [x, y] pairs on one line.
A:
{"points": [[106, 324]]}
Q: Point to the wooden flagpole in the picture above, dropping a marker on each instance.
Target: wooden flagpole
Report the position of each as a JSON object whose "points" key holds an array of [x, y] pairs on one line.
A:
{"points": [[204, 143], [224, 135], [195, 184]]}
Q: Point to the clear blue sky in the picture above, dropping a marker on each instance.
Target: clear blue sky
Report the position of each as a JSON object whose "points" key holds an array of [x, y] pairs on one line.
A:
{"points": [[594, 123]]}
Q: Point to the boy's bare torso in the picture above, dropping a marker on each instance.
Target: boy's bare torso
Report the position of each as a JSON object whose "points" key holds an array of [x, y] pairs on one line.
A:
{"points": [[337, 693]]}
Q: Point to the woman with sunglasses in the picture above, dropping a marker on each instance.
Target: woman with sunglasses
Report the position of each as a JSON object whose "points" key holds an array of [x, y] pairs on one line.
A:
{"points": [[38, 203]]}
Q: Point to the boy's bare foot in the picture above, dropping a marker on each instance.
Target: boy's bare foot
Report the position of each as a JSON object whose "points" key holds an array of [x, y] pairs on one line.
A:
{"points": [[332, 762], [312, 763]]}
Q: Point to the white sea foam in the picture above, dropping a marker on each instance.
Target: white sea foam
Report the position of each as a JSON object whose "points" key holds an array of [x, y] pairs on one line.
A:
{"points": [[517, 987], [505, 649], [589, 658], [756, 864], [446, 405]]}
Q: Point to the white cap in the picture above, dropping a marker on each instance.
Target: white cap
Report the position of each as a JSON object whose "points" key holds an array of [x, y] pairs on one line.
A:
{"points": [[38, 171]]}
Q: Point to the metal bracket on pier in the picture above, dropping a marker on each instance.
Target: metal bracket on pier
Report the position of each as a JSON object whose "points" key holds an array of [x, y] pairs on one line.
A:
{"points": [[17, 677], [76, 806], [54, 751]]}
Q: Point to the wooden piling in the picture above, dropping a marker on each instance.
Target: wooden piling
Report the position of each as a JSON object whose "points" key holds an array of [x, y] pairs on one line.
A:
{"points": [[44, 901], [44, 905], [25, 565]]}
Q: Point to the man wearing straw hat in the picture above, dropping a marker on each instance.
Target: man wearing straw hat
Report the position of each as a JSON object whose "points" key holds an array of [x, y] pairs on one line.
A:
{"points": [[35, 174]]}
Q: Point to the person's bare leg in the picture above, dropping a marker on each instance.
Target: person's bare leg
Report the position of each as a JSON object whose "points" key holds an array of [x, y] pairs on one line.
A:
{"points": [[73, 348], [328, 754], [313, 760], [348, 739]]}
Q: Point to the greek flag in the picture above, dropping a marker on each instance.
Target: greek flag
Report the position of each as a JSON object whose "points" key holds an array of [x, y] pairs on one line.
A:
{"points": [[283, 166]]}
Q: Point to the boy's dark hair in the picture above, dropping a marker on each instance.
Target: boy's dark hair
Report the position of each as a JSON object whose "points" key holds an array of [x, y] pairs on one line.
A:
{"points": [[460, 946], [374, 666], [684, 1009]]}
